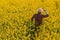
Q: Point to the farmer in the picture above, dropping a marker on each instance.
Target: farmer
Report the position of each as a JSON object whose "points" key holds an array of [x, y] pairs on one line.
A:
{"points": [[39, 17]]}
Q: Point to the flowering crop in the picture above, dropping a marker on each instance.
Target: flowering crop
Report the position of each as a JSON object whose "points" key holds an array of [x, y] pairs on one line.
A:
{"points": [[15, 19]]}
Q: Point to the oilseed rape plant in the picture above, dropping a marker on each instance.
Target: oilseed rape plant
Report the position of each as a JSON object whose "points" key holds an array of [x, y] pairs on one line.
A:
{"points": [[15, 20]]}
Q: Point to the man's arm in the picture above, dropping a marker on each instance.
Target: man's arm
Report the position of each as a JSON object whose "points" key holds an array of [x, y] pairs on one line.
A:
{"points": [[46, 13]]}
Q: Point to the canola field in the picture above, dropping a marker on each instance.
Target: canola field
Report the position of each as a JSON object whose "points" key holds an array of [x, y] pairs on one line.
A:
{"points": [[15, 19]]}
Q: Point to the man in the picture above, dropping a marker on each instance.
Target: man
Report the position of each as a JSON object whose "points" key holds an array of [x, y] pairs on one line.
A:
{"points": [[39, 17]]}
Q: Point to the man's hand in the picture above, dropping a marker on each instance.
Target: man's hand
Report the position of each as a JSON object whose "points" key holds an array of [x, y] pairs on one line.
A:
{"points": [[45, 11]]}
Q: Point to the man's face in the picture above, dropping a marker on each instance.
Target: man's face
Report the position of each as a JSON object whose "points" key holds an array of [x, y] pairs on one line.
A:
{"points": [[39, 12]]}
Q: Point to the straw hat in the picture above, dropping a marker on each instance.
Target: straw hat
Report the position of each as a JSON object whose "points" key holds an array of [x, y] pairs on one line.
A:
{"points": [[40, 10]]}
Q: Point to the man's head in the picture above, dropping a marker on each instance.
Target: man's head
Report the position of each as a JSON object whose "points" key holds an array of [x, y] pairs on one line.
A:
{"points": [[40, 10]]}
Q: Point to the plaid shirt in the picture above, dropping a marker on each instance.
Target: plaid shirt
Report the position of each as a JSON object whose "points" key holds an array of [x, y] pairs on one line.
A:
{"points": [[38, 18]]}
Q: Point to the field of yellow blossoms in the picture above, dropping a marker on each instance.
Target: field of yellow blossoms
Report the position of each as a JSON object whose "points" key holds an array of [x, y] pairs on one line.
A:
{"points": [[15, 19]]}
